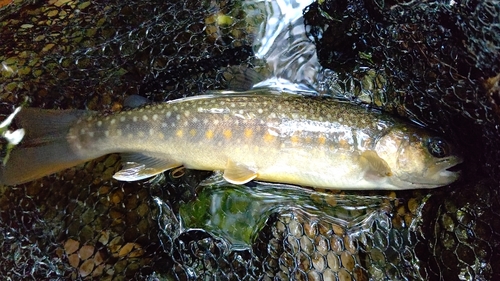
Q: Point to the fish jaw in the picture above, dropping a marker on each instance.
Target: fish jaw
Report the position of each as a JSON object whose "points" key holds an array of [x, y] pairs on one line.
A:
{"points": [[440, 173], [436, 175]]}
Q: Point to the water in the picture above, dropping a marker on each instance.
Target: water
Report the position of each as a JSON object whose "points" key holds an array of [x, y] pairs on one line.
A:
{"points": [[281, 42], [238, 213]]}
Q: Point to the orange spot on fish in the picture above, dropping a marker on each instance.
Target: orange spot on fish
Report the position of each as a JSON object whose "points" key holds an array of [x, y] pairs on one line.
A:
{"points": [[192, 132], [268, 137], [179, 133], [248, 133], [227, 134], [209, 134], [343, 143], [321, 139], [294, 139]]}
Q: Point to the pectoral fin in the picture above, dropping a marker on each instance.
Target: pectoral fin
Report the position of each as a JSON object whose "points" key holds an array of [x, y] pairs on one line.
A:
{"points": [[138, 166], [372, 161], [238, 174]]}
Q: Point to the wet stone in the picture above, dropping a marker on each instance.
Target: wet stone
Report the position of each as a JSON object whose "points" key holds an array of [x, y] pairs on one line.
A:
{"points": [[333, 261], [347, 260]]}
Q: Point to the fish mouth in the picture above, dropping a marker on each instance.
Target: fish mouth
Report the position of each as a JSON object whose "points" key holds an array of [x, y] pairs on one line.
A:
{"points": [[445, 170], [439, 173]]}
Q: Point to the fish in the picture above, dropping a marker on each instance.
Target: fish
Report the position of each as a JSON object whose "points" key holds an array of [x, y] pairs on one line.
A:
{"points": [[263, 135]]}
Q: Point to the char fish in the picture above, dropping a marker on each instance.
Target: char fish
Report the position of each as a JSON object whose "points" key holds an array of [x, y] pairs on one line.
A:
{"points": [[267, 136]]}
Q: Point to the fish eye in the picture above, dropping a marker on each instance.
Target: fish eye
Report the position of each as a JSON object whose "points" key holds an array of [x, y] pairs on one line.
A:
{"points": [[438, 147]]}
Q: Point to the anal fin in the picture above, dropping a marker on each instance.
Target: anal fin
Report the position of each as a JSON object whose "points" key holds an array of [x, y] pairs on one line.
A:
{"points": [[237, 173], [137, 166], [375, 163]]}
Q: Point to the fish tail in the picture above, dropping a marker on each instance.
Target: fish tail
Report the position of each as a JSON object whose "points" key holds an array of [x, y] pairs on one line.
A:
{"points": [[44, 148]]}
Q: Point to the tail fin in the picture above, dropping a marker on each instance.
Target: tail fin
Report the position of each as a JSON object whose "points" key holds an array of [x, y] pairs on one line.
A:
{"points": [[44, 149]]}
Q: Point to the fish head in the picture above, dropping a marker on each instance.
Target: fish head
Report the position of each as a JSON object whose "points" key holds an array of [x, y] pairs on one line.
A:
{"points": [[418, 158]]}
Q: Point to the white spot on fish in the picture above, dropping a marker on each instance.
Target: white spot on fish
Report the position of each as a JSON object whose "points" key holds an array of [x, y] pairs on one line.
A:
{"points": [[272, 115], [91, 134], [233, 104], [122, 119], [241, 111], [205, 121], [178, 117], [106, 133], [113, 121], [186, 113], [135, 118], [164, 125], [144, 117], [151, 131], [82, 132], [194, 120], [279, 107], [340, 119], [99, 123], [186, 123], [216, 121], [260, 111], [155, 117], [168, 114]]}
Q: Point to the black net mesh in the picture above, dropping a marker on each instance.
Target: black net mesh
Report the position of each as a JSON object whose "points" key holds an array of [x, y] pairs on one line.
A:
{"points": [[436, 62]]}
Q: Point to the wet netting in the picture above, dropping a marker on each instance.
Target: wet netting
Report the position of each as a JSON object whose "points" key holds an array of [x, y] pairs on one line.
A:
{"points": [[434, 62]]}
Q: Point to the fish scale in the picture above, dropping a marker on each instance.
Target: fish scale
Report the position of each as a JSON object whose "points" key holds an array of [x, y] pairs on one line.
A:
{"points": [[261, 135]]}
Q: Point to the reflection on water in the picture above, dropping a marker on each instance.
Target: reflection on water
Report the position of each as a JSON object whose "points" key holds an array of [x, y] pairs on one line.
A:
{"points": [[281, 42], [237, 213]]}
